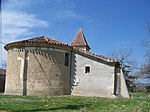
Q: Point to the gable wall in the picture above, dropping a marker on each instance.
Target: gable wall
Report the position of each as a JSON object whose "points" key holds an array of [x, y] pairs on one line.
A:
{"points": [[99, 82]]}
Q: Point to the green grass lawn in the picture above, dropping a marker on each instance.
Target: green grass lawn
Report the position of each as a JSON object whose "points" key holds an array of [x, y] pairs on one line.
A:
{"points": [[139, 102]]}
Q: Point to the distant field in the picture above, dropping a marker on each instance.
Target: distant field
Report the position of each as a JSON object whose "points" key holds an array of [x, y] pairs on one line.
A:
{"points": [[139, 102]]}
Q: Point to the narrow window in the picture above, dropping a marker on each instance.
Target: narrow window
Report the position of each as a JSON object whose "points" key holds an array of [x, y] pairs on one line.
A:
{"points": [[66, 59], [87, 69]]}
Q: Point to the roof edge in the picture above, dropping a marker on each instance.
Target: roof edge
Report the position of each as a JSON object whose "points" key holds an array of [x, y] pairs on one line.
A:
{"points": [[96, 57], [31, 42]]}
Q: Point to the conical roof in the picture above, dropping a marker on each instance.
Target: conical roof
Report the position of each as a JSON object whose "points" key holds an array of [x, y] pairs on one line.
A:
{"points": [[37, 41], [80, 40]]}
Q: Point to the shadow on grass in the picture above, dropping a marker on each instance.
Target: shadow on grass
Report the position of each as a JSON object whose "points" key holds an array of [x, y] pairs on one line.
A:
{"points": [[67, 107]]}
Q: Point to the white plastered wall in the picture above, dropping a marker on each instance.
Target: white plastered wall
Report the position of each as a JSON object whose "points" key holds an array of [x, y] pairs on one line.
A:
{"points": [[99, 82]]}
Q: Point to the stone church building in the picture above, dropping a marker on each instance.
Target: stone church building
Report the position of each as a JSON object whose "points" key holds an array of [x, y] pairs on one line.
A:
{"points": [[44, 66]]}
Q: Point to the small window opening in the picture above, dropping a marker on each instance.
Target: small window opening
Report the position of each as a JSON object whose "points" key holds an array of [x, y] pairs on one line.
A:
{"points": [[66, 59], [87, 69]]}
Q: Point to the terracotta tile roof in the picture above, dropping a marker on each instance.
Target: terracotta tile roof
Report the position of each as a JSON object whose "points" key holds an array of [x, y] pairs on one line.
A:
{"points": [[37, 41], [43, 39], [79, 39], [46, 41], [96, 56]]}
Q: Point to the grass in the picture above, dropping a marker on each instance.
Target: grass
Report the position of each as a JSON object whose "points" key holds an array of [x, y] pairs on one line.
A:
{"points": [[139, 102]]}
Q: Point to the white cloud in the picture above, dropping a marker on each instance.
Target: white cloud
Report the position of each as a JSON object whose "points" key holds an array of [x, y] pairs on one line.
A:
{"points": [[18, 22], [15, 24]]}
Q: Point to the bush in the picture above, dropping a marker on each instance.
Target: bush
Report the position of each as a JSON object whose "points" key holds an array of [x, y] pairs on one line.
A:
{"points": [[147, 89]]}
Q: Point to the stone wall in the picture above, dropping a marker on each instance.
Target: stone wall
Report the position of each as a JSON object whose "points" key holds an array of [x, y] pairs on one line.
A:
{"points": [[13, 85], [43, 71], [37, 71], [99, 82]]}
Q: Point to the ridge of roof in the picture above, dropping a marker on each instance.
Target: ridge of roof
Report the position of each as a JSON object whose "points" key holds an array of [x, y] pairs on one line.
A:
{"points": [[42, 39], [79, 39]]}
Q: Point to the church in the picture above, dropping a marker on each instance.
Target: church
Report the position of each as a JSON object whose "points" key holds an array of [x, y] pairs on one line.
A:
{"points": [[44, 66]]}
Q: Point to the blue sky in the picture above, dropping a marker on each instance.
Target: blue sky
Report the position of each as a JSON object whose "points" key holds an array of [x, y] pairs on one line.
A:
{"points": [[107, 24]]}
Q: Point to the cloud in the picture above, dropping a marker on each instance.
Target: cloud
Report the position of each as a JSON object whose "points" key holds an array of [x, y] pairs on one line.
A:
{"points": [[18, 21], [15, 24], [73, 15]]}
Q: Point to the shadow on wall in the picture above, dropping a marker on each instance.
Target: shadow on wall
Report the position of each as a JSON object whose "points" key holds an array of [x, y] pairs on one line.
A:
{"points": [[25, 74], [117, 81], [73, 72], [49, 57], [2, 80]]}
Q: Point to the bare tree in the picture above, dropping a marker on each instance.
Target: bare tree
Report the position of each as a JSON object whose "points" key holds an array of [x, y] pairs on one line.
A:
{"points": [[123, 56], [146, 46], [148, 26], [3, 64], [145, 69]]}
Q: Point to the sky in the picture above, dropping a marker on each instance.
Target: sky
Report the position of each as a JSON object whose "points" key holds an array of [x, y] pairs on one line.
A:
{"points": [[108, 25]]}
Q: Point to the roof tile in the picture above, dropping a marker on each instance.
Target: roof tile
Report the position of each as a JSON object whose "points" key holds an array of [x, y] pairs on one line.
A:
{"points": [[37, 40], [79, 39], [44, 40], [94, 55]]}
